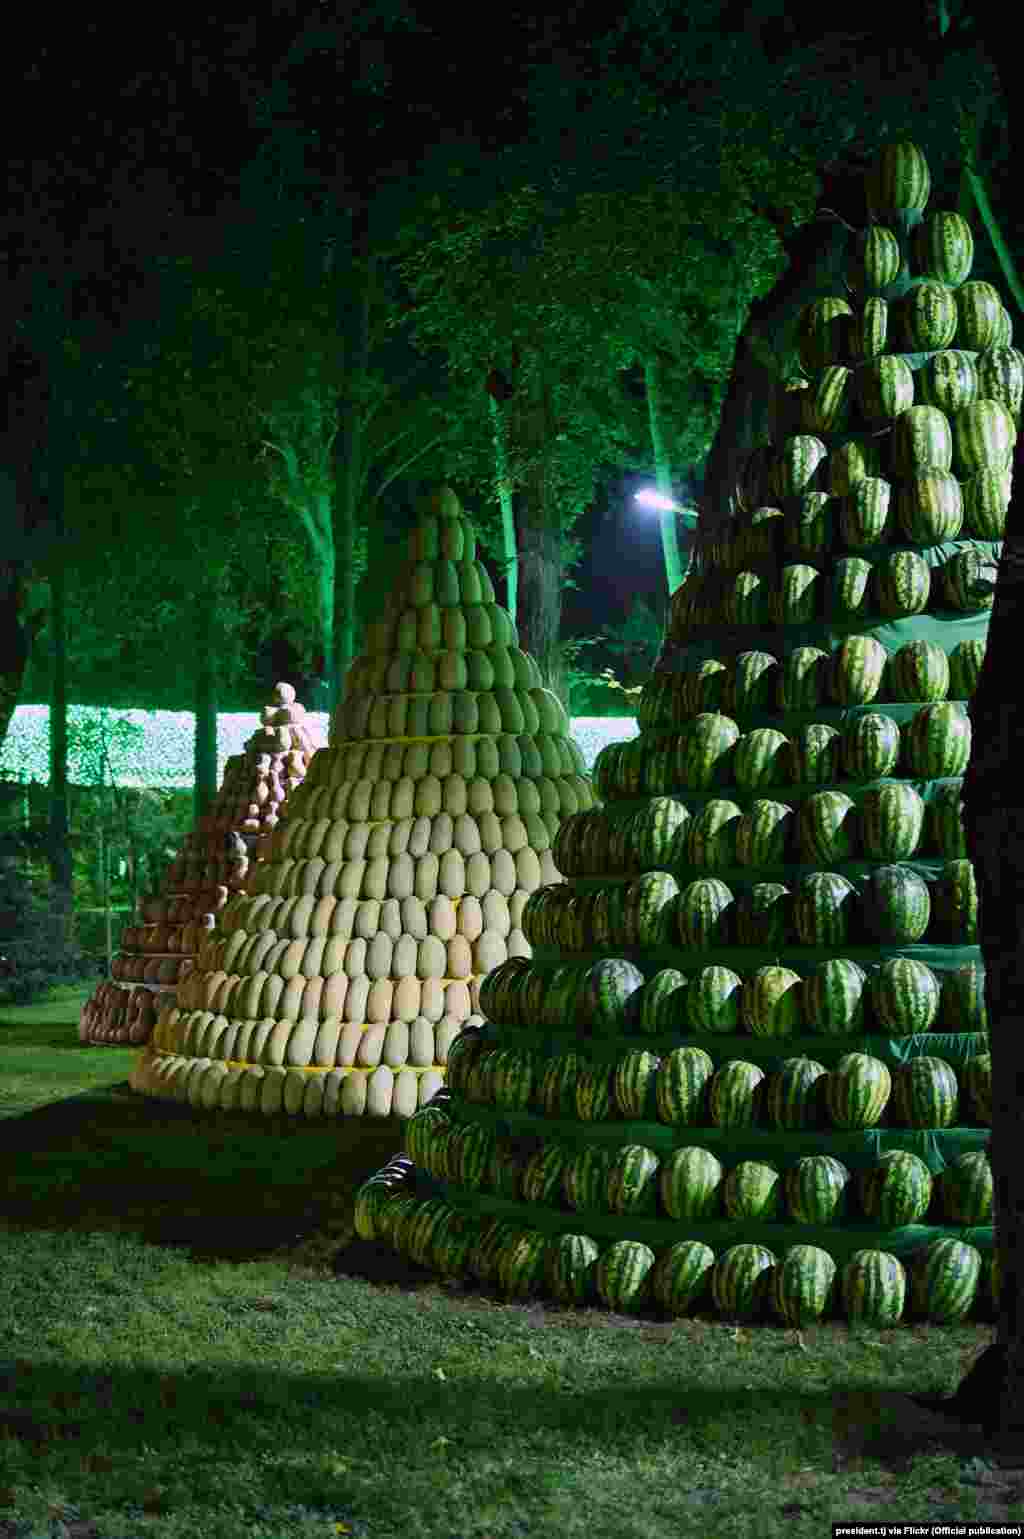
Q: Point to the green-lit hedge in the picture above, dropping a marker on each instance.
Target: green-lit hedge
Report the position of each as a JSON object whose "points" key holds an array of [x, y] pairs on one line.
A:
{"points": [[162, 755]]}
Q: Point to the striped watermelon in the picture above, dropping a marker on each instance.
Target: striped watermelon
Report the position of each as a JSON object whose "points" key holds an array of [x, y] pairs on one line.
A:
{"points": [[711, 835], [979, 1085], [585, 1178], [943, 247], [595, 1099], [955, 904], [944, 1279], [824, 828], [634, 1080], [753, 1190], [884, 387], [747, 599], [704, 913], [944, 817], [891, 819], [816, 1190], [704, 757], [649, 909], [610, 984], [856, 458], [858, 666], [680, 1085], [849, 591], [986, 499], [690, 1184], [770, 1003], [968, 581], [983, 437], [904, 996], [504, 1178], [869, 330], [570, 1267], [662, 1003], [803, 1285], [978, 306], [966, 1190], [764, 832], [757, 761], [633, 1180], [750, 686], [930, 504], [902, 583], [871, 746], [514, 1078], [475, 1151], [898, 181], [929, 316], [896, 905], [821, 909], [681, 1276], [820, 336], [938, 741], [896, 1190], [542, 1177], [621, 1275], [807, 525], [734, 1096], [948, 381], [857, 1091], [652, 831], [793, 1095], [739, 1281], [796, 600], [712, 1001], [874, 261], [864, 515], [873, 1285], [556, 1094], [702, 688], [522, 1263], [926, 1094], [802, 681], [834, 998], [965, 662], [919, 670], [763, 916]]}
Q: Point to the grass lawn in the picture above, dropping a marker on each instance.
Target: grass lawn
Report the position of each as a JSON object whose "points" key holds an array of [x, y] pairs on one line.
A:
{"points": [[192, 1345]]}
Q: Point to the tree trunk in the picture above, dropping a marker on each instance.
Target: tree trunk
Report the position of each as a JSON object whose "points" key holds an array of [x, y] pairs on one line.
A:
{"points": [[205, 750], [662, 477], [18, 632], [347, 507], [510, 561], [59, 848], [540, 558], [326, 565]]}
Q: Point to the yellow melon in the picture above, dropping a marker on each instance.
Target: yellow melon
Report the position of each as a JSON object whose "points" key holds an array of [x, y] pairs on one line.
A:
{"points": [[349, 1038], [406, 999], [356, 998], [326, 1043]]}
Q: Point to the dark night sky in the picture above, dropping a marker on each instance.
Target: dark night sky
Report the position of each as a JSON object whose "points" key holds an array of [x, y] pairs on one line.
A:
{"points": [[124, 136]]}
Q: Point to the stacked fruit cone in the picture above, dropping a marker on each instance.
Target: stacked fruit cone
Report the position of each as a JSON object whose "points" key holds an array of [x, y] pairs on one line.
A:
{"points": [[746, 1069], [401, 871], [159, 951]]}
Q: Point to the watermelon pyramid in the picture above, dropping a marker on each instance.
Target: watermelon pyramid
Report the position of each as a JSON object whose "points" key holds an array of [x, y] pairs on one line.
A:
{"points": [[746, 1069], [400, 870], [160, 949]]}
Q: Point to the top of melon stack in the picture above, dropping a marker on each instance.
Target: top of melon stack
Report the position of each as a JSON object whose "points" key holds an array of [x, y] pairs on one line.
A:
{"points": [[759, 987], [398, 876]]}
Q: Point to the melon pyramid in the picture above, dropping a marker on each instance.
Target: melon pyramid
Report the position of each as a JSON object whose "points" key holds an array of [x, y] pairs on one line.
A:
{"points": [[746, 1070], [159, 951], [400, 870]]}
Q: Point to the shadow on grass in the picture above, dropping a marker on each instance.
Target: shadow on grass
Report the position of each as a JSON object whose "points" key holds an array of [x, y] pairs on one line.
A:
{"points": [[226, 1186]]}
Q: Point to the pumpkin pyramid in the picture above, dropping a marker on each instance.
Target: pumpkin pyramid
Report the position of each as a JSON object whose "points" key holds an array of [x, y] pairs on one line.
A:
{"points": [[159, 951], [399, 873], [746, 1069]]}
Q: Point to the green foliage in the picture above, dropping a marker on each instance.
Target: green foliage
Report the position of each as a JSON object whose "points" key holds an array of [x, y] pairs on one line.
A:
{"points": [[637, 640], [34, 942]]}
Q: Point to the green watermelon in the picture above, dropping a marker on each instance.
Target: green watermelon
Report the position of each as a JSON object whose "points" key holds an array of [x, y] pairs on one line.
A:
{"points": [[938, 741], [513, 1081], [864, 518], [902, 584], [897, 182], [770, 1002], [652, 831], [816, 1190], [986, 499], [965, 662], [948, 381], [966, 1190], [712, 1001], [896, 1190], [690, 1184], [711, 840], [891, 819], [896, 905], [556, 1095], [803, 1285], [969, 580], [704, 755], [753, 1190], [734, 1096], [634, 1081], [955, 903], [758, 759], [858, 667], [522, 1264], [680, 1085], [926, 1094], [649, 909], [803, 682], [824, 828], [850, 588], [704, 913], [870, 746], [807, 527], [905, 996], [983, 437], [930, 503], [793, 1095], [633, 1180], [943, 247], [739, 1281], [944, 820], [979, 1084], [542, 1177], [681, 1276], [857, 1091], [661, 1003], [595, 1099], [944, 1279], [571, 1260], [585, 1178], [764, 834], [621, 1275], [821, 909], [834, 998], [608, 988], [763, 916], [873, 1285], [928, 314], [919, 670]]}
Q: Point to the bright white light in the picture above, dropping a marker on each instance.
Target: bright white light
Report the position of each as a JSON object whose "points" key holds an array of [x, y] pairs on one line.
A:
{"points": [[649, 498]]}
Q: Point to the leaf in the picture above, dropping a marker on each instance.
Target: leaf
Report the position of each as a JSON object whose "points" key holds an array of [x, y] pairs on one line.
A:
{"points": [[439, 1373]]}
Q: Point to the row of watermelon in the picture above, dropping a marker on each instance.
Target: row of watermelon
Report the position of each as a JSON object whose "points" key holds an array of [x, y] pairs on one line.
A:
{"points": [[884, 822], [892, 905], [684, 1088], [897, 586], [897, 997], [947, 1278], [917, 671], [692, 1184]]}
